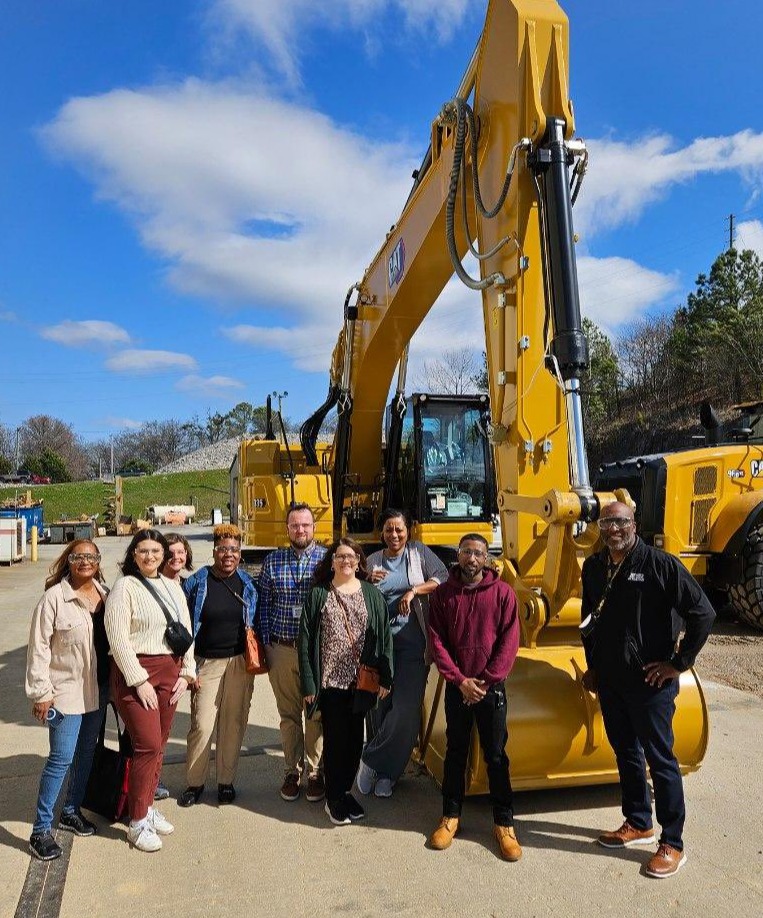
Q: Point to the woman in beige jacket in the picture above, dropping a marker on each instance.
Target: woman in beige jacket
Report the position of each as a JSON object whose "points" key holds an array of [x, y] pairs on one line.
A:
{"points": [[67, 679]]}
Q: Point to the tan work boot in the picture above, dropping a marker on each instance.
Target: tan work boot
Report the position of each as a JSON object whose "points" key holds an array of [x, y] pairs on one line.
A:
{"points": [[442, 836], [508, 845]]}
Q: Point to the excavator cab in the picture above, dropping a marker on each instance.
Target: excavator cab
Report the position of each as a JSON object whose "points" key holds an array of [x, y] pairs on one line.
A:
{"points": [[443, 469]]}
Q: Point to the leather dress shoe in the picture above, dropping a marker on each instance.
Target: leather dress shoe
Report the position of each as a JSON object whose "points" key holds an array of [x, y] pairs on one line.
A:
{"points": [[667, 862], [626, 836]]}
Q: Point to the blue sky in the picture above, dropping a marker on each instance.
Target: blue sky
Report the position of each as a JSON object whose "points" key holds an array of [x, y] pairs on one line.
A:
{"points": [[187, 189]]}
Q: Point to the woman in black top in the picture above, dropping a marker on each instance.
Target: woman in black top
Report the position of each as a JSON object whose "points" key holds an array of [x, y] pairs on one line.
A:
{"points": [[222, 600]]}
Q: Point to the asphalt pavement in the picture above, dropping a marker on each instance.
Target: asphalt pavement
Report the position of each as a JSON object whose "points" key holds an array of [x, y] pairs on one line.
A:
{"points": [[263, 856]]}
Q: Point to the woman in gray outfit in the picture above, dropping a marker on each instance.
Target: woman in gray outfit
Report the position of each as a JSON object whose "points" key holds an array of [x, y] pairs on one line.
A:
{"points": [[405, 572]]}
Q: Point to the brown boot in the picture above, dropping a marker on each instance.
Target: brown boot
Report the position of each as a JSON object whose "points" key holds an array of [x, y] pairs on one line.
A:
{"points": [[507, 843], [442, 836], [665, 863]]}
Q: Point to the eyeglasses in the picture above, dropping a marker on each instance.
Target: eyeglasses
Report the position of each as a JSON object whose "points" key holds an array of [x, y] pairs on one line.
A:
{"points": [[615, 522], [472, 552], [352, 557], [227, 550], [84, 558], [149, 551]]}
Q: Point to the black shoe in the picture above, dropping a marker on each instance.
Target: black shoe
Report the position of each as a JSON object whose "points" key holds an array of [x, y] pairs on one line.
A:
{"points": [[354, 810], [161, 792], [76, 822], [337, 812], [44, 847], [190, 796], [226, 793]]}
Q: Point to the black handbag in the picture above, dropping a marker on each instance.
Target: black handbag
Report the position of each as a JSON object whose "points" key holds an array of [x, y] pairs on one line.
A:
{"points": [[106, 792], [177, 636]]}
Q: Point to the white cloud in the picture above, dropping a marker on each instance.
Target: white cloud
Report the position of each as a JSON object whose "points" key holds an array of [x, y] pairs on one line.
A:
{"points": [[625, 178], [143, 362], [245, 195], [85, 332], [282, 26], [618, 290], [208, 385], [749, 235], [122, 423]]}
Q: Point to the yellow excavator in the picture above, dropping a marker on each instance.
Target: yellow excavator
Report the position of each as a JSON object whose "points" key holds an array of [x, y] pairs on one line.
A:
{"points": [[507, 137]]}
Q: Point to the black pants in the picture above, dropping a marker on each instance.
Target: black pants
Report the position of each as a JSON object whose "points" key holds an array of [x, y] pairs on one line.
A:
{"points": [[639, 725], [490, 716], [342, 740]]}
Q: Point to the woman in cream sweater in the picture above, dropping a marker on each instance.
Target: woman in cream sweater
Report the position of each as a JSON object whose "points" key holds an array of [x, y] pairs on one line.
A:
{"points": [[147, 677]]}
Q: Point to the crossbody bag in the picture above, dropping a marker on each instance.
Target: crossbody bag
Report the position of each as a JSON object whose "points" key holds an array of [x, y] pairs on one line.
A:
{"points": [[177, 636]]}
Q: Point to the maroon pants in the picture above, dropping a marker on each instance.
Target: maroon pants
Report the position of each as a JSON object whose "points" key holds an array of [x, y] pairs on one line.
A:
{"points": [[149, 730]]}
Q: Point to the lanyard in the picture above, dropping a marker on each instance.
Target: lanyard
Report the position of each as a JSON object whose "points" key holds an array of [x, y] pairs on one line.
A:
{"points": [[298, 581]]}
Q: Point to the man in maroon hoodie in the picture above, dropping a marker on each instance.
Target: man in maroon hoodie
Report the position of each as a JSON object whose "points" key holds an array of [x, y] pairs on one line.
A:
{"points": [[474, 632]]}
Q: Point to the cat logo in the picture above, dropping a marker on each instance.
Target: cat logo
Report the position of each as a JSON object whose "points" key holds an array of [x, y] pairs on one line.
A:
{"points": [[756, 468], [396, 264]]}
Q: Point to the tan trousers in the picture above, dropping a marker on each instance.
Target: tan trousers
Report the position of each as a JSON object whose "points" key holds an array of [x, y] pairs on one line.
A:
{"points": [[222, 701], [302, 747]]}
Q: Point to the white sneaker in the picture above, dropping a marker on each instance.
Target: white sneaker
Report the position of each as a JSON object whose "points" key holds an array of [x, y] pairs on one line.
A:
{"points": [[383, 788], [365, 778], [143, 837], [159, 823]]}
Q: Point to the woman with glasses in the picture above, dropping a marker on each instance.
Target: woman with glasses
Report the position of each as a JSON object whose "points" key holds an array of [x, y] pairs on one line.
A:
{"points": [[223, 602], [67, 678], [405, 572], [344, 626], [148, 677]]}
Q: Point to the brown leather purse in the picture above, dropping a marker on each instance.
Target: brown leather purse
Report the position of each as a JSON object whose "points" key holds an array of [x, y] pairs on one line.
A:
{"points": [[254, 653], [254, 649]]}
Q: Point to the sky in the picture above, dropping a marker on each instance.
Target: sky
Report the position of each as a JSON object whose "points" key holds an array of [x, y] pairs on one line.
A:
{"points": [[188, 189]]}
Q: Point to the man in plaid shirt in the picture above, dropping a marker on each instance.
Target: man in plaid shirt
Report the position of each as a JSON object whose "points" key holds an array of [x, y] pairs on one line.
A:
{"points": [[284, 582]]}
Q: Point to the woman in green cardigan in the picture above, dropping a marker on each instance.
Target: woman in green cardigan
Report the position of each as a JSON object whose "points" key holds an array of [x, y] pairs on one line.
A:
{"points": [[344, 624]]}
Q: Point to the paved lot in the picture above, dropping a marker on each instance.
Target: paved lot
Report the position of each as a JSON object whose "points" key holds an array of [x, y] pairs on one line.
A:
{"points": [[263, 856]]}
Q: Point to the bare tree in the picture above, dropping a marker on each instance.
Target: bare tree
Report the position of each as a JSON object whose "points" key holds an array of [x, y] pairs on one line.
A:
{"points": [[647, 364], [453, 374]]}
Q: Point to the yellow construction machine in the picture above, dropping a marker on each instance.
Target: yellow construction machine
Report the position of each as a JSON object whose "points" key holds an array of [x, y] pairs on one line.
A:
{"points": [[507, 138], [705, 505]]}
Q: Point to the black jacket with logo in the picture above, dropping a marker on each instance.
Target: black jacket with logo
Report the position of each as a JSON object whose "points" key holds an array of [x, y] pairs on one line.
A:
{"points": [[653, 598]]}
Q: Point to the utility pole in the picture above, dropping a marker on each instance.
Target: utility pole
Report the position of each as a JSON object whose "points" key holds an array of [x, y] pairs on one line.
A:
{"points": [[731, 231]]}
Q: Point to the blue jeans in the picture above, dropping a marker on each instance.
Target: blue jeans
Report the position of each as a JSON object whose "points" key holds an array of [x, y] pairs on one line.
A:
{"points": [[72, 743]]}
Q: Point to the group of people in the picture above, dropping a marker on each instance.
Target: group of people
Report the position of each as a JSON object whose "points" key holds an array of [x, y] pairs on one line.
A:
{"points": [[349, 641]]}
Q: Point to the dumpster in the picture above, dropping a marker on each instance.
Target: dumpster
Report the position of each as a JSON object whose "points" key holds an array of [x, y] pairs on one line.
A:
{"points": [[32, 515], [65, 531]]}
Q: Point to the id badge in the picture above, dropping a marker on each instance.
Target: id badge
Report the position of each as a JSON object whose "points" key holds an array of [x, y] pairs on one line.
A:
{"points": [[296, 611]]}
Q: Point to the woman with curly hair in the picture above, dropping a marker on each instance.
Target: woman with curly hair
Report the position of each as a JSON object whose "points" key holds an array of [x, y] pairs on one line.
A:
{"points": [[223, 603], [67, 678]]}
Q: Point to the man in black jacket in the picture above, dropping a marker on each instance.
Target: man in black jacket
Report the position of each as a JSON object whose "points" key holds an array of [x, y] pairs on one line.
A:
{"points": [[636, 602]]}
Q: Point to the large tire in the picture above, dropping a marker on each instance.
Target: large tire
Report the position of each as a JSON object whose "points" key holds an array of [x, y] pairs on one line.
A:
{"points": [[746, 597]]}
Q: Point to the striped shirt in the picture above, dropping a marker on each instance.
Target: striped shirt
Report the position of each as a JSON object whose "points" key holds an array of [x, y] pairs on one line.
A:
{"points": [[135, 624], [285, 581]]}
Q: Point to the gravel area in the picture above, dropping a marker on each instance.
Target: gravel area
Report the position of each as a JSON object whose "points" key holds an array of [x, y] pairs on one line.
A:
{"points": [[733, 655], [215, 456]]}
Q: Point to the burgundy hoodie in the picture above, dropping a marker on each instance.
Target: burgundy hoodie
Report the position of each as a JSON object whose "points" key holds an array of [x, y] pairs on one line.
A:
{"points": [[474, 630]]}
